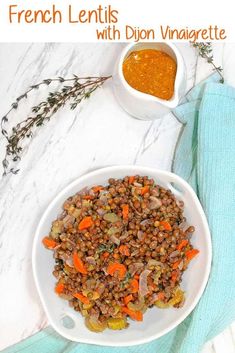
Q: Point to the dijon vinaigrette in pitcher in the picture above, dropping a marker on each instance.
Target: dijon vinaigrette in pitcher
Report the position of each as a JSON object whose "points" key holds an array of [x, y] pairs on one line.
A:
{"points": [[151, 71]]}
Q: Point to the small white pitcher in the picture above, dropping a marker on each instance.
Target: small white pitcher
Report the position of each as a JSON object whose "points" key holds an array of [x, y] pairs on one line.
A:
{"points": [[141, 105]]}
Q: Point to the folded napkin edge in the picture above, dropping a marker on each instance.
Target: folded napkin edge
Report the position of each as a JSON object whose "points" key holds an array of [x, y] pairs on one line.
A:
{"points": [[219, 89]]}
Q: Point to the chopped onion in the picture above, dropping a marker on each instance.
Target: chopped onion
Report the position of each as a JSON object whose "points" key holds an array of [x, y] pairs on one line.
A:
{"points": [[112, 230], [140, 235], [91, 260], [154, 263], [94, 313], [153, 298], [136, 306], [103, 196], [68, 220], [101, 212], [144, 222], [68, 259], [134, 244], [115, 240], [138, 185], [135, 252], [70, 242], [183, 225], [61, 216], [174, 254], [124, 235], [143, 285], [154, 203], [155, 192], [181, 265], [91, 192], [135, 267]]}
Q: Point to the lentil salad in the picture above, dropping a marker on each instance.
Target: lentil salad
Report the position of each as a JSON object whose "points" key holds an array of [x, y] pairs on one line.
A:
{"points": [[119, 250]]}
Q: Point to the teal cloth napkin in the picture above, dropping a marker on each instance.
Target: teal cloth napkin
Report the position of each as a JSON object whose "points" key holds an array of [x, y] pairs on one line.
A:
{"points": [[205, 157]]}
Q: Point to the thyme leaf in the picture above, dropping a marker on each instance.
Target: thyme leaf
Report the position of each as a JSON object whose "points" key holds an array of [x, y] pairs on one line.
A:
{"points": [[73, 91], [206, 52]]}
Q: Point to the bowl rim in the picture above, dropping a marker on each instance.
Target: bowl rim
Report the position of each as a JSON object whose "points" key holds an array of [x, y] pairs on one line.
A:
{"points": [[146, 171]]}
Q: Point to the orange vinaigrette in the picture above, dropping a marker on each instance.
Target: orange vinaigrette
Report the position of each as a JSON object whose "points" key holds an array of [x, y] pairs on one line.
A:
{"points": [[151, 71]]}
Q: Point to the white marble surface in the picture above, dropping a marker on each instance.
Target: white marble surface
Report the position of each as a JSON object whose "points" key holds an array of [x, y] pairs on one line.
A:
{"points": [[96, 135]]}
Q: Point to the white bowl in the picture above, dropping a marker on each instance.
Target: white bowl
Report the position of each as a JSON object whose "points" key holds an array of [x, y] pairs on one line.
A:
{"points": [[157, 322], [141, 105]]}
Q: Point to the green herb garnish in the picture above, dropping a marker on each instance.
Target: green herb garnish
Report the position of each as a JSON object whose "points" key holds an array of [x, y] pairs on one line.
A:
{"points": [[206, 52], [103, 248], [126, 279], [73, 91]]}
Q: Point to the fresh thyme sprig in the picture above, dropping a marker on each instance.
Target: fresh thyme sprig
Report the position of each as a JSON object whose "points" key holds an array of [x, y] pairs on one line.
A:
{"points": [[80, 88], [205, 51]]}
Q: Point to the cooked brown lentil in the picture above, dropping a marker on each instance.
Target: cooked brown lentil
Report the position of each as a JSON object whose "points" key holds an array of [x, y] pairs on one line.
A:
{"points": [[120, 249]]}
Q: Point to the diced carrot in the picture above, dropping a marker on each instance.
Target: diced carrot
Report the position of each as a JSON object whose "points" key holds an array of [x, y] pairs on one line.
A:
{"points": [[49, 243], [85, 223], [116, 256], [82, 298], [124, 250], [136, 276], [134, 315], [154, 286], [117, 267], [174, 276], [87, 197], [78, 264], [166, 225], [131, 179], [160, 296], [190, 254], [144, 189], [176, 264], [59, 288], [105, 254], [128, 299], [97, 188], [125, 211], [182, 244], [134, 285]]}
